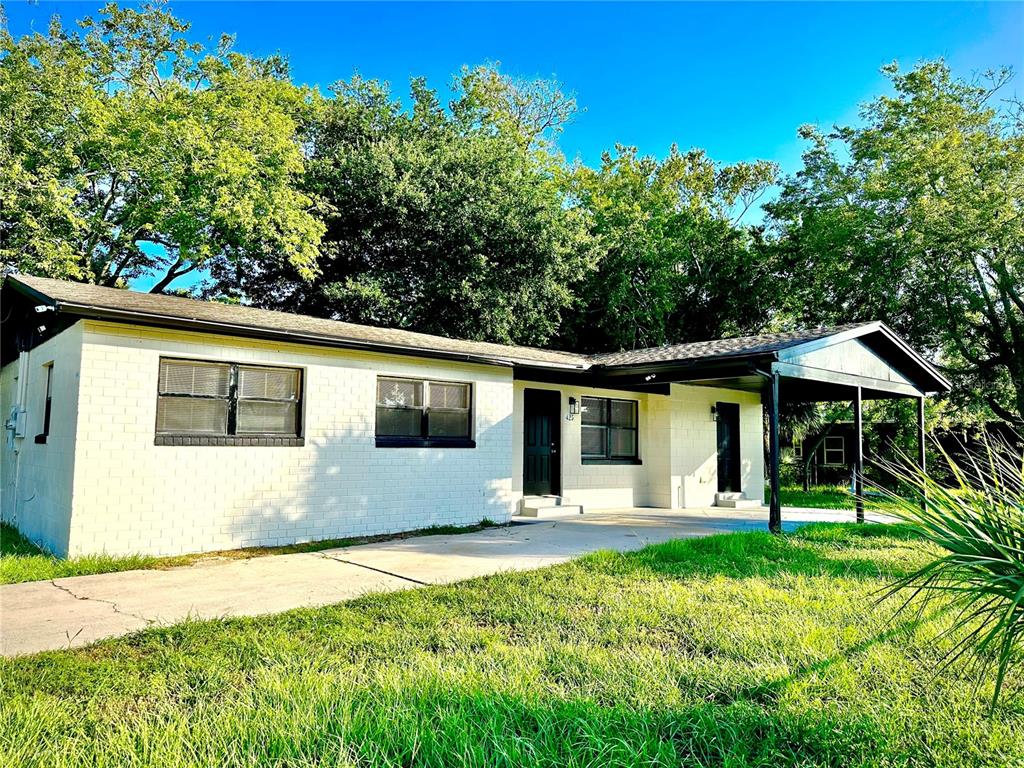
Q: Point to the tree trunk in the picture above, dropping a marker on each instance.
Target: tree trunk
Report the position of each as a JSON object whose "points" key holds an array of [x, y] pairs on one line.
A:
{"points": [[172, 274], [809, 457]]}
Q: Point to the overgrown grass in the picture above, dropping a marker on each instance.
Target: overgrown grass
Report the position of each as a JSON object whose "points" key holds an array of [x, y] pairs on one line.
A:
{"points": [[21, 560], [737, 650]]}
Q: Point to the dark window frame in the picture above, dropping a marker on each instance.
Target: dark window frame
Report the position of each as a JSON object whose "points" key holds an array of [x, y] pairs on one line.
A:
{"points": [[41, 438], [424, 439], [607, 457], [233, 437], [826, 450]]}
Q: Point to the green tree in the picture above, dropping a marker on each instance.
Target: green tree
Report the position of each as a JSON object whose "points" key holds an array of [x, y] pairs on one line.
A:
{"points": [[676, 262], [534, 112], [447, 219], [915, 217], [128, 151]]}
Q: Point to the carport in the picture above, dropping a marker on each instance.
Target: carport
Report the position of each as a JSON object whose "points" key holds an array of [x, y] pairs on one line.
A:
{"points": [[850, 363]]}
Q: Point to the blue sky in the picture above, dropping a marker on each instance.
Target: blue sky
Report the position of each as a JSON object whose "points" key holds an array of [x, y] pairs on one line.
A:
{"points": [[736, 79]]}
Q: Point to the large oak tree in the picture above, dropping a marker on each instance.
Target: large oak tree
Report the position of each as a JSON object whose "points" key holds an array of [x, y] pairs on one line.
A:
{"points": [[444, 218], [128, 151], [677, 262]]}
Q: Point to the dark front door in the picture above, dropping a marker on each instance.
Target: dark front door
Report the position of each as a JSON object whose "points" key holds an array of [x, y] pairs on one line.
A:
{"points": [[728, 446], [541, 442]]}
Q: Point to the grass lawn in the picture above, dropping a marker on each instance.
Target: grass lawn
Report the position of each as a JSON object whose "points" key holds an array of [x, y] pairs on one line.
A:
{"points": [[21, 560], [827, 497], [818, 497], [736, 650]]}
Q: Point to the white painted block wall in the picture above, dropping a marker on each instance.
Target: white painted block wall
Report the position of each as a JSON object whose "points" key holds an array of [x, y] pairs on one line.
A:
{"points": [[694, 462], [134, 496], [678, 449], [596, 486], [100, 484], [37, 479]]}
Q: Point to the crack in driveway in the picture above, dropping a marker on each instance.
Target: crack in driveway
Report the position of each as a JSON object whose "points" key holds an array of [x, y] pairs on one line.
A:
{"points": [[111, 603], [325, 556]]}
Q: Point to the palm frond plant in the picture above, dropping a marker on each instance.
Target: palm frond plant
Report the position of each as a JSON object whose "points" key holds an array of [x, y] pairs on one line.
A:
{"points": [[977, 521]]}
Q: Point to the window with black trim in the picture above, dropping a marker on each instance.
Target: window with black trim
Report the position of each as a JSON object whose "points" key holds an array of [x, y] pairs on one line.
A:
{"points": [[424, 413], [48, 406], [610, 431], [212, 403]]}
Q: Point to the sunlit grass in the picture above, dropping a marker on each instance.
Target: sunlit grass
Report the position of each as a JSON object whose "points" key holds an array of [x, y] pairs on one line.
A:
{"points": [[817, 497], [737, 650], [21, 560]]}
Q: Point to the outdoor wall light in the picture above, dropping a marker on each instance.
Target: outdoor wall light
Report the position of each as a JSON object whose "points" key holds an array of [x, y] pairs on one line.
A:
{"points": [[714, 413], [574, 407]]}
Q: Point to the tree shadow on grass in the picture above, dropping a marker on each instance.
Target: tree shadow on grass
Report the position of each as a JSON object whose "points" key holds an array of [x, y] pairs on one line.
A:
{"points": [[833, 551], [433, 724], [772, 690]]}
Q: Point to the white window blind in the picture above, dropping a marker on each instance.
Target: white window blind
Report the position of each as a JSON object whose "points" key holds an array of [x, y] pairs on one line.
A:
{"points": [[222, 399]]}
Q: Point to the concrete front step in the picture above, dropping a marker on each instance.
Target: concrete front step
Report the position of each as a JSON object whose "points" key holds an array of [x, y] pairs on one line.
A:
{"points": [[741, 503], [547, 506], [734, 500]]}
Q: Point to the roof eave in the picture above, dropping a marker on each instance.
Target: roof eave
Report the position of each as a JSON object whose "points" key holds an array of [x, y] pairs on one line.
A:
{"points": [[29, 291], [946, 384], [751, 359], [718, 361], [229, 329]]}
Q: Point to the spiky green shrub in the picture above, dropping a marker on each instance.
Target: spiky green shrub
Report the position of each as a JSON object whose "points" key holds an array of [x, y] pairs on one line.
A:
{"points": [[977, 520]]}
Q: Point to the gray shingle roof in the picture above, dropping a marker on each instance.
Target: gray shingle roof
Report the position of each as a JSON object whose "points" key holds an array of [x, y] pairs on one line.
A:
{"points": [[215, 317], [717, 348], [308, 329]]}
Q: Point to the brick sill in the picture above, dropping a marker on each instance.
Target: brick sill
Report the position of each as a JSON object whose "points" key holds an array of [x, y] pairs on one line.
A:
{"points": [[245, 441]]}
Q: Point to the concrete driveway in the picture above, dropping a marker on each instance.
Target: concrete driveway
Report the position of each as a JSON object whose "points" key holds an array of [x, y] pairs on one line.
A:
{"points": [[70, 612]]}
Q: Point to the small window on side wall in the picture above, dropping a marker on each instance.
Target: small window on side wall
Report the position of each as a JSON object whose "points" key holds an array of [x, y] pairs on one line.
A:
{"points": [[420, 413], [835, 450], [210, 403], [47, 405], [609, 432]]}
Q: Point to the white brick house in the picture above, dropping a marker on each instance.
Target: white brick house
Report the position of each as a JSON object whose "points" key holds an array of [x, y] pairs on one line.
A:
{"points": [[149, 424]]}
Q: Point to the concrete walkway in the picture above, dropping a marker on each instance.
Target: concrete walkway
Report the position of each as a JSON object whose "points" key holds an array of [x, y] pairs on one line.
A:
{"points": [[70, 612]]}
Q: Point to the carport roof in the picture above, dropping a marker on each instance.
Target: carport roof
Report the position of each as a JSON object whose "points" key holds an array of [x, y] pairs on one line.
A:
{"points": [[813, 365], [717, 349]]}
